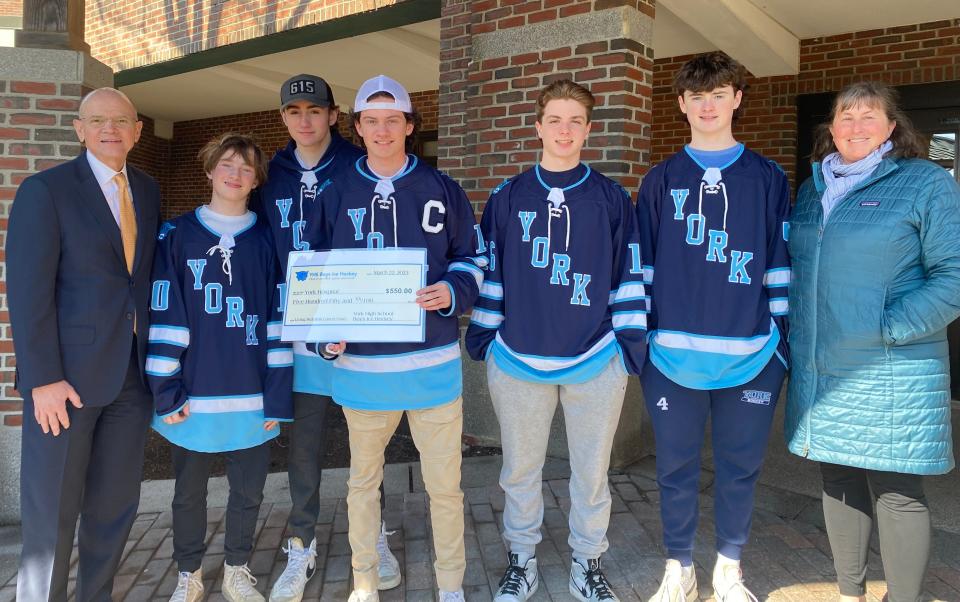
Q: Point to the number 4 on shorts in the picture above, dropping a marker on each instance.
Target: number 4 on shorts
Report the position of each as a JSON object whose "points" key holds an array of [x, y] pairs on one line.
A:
{"points": [[662, 404]]}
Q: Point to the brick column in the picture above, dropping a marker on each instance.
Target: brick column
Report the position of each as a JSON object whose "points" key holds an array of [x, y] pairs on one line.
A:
{"points": [[494, 59], [40, 91]]}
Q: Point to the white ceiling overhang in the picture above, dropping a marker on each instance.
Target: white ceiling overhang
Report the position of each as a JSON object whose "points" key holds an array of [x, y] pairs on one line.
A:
{"points": [[762, 34]]}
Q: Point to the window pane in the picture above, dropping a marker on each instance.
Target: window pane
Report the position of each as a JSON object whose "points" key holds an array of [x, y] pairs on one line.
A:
{"points": [[943, 150]]}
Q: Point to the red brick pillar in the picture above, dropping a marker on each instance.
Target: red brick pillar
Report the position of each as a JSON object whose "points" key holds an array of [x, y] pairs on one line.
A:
{"points": [[40, 91], [494, 59]]}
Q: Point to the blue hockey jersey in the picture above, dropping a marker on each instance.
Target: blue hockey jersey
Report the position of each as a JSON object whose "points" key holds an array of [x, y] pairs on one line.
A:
{"points": [[715, 253], [420, 208], [563, 290], [214, 340], [286, 202]]}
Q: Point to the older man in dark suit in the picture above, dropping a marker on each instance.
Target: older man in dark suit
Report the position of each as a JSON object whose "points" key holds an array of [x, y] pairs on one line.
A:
{"points": [[79, 251]]}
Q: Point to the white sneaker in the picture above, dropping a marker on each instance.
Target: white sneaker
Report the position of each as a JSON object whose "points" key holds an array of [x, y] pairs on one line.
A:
{"points": [[189, 587], [238, 584], [678, 585], [519, 582], [588, 583], [388, 568], [301, 566], [456, 596], [728, 583], [359, 595]]}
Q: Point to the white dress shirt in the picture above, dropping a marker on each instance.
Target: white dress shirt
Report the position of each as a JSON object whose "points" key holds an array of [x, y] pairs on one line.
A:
{"points": [[105, 175]]}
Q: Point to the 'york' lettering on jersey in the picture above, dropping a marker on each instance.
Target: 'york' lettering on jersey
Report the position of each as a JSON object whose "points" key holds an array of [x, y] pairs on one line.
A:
{"points": [[697, 233], [541, 257], [213, 300]]}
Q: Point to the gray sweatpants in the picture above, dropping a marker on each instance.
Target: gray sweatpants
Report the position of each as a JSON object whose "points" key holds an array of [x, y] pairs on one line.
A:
{"points": [[525, 410]]}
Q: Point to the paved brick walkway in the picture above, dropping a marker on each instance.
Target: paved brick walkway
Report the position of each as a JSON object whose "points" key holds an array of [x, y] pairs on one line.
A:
{"points": [[788, 558]]}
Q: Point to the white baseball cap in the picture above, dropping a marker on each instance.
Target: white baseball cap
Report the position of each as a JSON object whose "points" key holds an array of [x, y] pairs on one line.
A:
{"points": [[382, 83]]}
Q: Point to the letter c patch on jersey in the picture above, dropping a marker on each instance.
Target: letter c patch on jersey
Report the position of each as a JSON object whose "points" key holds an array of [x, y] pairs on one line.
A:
{"points": [[428, 226]]}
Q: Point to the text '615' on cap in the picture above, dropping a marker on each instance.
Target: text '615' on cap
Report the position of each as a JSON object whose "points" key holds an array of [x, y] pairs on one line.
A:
{"points": [[382, 83], [306, 87]]}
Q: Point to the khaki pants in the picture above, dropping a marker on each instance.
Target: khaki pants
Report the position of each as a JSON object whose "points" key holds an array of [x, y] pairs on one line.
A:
{"points": [[437, 434]]}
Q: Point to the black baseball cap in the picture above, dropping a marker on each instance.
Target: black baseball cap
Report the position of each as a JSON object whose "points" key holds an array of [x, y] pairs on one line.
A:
{"points": [[306, 87]]}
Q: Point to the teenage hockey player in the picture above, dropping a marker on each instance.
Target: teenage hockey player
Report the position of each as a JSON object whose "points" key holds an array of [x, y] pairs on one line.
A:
{"points": [[392, 199], [313, 156], [561, 319], [220, 375], [714, 228]]}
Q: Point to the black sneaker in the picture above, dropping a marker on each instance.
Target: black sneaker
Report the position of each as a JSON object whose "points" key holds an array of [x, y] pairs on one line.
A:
{"points": [[588, 584], [518, 582]]}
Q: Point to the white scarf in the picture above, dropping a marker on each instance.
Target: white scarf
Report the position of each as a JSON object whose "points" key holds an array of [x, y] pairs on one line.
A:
{"points": [[841, 177]]}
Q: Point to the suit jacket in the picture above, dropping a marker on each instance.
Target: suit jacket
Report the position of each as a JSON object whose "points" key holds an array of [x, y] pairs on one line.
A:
{"points": [[72, 301]]}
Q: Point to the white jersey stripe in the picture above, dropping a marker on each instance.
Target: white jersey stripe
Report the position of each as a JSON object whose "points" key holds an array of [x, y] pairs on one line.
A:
{"points": [[403, 362], [628, 319], [778, 277], [558, 363], [724, 345], [459, 266], [491, 290], [487, 319], [220, 405], [779, 306], [161, 366], [628, 292], [279, 358], [170, 335]]}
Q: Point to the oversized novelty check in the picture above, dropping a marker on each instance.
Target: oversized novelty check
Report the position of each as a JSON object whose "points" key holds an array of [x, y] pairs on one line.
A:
{"points": [[355, 295]]}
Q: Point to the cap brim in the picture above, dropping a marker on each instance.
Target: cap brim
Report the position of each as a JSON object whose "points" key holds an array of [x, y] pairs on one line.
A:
{"points": [[319, 103]]}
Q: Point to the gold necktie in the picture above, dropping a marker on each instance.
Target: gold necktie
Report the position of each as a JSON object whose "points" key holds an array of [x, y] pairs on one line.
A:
{"points": [[128, 226], [128, 220]]}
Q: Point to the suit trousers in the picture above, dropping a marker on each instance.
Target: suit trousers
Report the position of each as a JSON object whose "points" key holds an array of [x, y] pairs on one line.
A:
{"points": [[91, 470]]}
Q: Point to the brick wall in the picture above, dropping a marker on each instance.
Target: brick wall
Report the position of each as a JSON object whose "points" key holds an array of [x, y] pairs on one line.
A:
{"points": [[912, 54], [425, 102], [11, 8], [182, 180], [152, 154], [768, 122], [36, 132], [142, 32], [487, 121], [186, 184]]}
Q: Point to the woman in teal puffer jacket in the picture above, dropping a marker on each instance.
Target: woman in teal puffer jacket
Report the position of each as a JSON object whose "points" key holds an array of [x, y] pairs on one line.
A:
{"points": [[875, 246]]}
